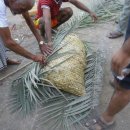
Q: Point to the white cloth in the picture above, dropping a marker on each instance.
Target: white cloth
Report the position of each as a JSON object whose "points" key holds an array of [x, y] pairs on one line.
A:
{"points": [[3, 23], [3, 16]]}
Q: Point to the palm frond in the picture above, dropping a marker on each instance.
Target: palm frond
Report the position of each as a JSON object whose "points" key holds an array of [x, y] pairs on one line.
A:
{"points": [[106, 11]]}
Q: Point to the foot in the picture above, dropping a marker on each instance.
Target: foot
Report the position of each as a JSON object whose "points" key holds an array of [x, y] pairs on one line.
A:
{"points": [[99, 124], [115, 34], [13, 62]]}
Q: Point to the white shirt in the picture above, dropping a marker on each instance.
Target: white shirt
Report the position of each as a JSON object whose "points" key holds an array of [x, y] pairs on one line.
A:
{"points": [[3, 23], [3, 16]]}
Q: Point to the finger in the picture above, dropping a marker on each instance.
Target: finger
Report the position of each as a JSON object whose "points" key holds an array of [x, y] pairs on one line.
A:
{"points": [[46, 53], [50, 48], [49, 51]]}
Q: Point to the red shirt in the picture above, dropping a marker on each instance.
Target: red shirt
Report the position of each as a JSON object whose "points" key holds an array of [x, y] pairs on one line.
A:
{"points": [[54, 7]]}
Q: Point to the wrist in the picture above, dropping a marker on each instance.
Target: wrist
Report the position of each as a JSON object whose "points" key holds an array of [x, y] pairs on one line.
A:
{"points": [[33, 57], [88, 11]]}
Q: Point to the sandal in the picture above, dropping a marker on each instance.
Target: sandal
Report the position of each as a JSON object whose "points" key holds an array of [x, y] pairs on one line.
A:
{"points": [[99, 124], [113, 35]]}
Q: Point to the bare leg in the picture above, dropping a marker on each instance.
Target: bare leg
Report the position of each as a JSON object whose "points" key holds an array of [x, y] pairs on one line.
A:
{"points": [[64, 15], [118, 101]]}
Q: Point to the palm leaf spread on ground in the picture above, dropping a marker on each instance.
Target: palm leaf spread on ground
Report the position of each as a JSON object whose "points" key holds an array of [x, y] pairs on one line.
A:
{"points": [[106, 11], [56, 109]]}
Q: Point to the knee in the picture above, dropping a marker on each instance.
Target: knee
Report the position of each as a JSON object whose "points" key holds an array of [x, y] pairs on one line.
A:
{"points": [[69, 11]]}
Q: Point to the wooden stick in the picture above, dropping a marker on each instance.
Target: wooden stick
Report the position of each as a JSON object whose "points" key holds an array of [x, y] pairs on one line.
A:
{"points": [[15, 71]]}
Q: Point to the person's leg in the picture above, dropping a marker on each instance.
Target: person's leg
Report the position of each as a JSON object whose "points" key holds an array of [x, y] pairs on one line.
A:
{"points": [[121, 96], [119, 100], [64, 15], [3, 56], [4, 61], [123, 21]]}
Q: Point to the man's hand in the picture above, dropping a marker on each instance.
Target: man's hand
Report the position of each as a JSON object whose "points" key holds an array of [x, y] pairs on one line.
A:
{"points": [[120, 60], [46, 49], [93, 16], [82, 6], [40, 58]]}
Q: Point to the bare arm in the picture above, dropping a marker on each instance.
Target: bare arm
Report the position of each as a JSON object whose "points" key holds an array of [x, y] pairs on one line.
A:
{"points": [[12, 45], [44, 48], [47, 21], [31, 26], [81, 6], [121, 58]]}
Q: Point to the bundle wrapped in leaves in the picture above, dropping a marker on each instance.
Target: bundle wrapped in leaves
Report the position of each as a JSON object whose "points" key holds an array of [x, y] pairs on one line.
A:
{"points": [[69, 76]]}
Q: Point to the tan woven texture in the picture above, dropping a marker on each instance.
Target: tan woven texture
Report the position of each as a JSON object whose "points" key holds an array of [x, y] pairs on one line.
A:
{"points": [[69, 76]]}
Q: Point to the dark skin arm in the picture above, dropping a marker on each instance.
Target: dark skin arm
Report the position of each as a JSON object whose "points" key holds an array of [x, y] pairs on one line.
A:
{"points": [[47, 21], [44, 48], [12, 45], [121, 58], [81, 6], [31, 26]]}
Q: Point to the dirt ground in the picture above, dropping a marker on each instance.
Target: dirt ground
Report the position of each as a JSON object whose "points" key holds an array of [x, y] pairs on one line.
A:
{"points": [[97, 35]]}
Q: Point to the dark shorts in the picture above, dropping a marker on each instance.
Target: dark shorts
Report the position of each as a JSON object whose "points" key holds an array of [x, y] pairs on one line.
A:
{"points": [[124, 80]]}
